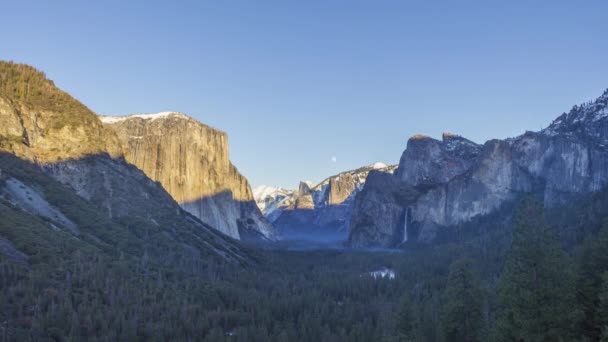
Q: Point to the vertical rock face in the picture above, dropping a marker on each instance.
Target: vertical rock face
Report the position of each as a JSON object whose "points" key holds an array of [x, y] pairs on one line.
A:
{"points": [[303, 200], [340, 188], [457, 180], [190, 160], [379, 213]]}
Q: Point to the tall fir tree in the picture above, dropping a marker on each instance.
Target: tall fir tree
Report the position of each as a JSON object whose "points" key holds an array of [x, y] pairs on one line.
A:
{"points": [[536, 289], [406, 324], [594, 264], [462, 318], [603, 308]]}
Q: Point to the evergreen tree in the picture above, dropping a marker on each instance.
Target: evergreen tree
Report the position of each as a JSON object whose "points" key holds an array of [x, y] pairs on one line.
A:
{"points": [[603, 308], [406, 324], [462, 318], [594, 263], [536, 292]]}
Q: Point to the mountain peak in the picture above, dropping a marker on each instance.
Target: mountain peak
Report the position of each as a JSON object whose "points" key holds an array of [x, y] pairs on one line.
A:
{"points": [[448, 135], [262, 191], [379, 165], [582, 118], [419, 137]]}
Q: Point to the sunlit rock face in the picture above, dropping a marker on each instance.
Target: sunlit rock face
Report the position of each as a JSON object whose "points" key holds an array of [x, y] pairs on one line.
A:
{"points": [[190, 160], [340, 188], [458, 180], [304, 198], [48, 135]]}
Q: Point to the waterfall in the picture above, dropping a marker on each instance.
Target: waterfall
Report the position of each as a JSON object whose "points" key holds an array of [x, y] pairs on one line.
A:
{"points": [[405, 219]]}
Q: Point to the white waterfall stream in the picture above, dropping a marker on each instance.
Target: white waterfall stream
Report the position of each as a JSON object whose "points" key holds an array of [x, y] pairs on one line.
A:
{"points": [[405, 219]]}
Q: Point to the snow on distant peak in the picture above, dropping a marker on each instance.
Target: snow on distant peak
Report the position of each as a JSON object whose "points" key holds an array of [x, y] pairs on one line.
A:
{"points": [[310, 184], [379, 165], [263, 191], [586, 114], [150, 116]]}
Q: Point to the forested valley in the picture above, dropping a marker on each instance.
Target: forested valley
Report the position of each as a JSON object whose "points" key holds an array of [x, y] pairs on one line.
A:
{"points": [[526, 280]]}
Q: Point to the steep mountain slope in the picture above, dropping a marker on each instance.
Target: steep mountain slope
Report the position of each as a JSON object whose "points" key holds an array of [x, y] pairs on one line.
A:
{"points": [[191, 162], [321, 209], [441, 184], [41, 123], [62, 166]]}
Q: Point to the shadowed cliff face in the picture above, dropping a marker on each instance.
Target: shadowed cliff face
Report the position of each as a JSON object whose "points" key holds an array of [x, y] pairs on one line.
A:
{"points": [[458, 180], [379, 213], [191, 162], [111, 205]]}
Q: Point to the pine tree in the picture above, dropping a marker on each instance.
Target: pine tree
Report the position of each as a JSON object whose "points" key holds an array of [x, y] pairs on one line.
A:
{"points": [[536, 292], [462, 318], [594, 263], [603, 308], [406, 323]]}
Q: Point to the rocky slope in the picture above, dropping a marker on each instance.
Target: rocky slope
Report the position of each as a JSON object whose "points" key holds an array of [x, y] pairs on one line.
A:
{"points": [[190, 160], [441, 184], [60, 163], [321, 209], [41, 123]]}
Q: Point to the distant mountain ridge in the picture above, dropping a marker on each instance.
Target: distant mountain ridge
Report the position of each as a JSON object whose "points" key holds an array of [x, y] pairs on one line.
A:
{"points": [[322, 208]]}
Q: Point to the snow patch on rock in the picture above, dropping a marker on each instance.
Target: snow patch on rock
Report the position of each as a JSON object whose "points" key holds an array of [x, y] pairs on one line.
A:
{"points": [[379, 165], [110, 119]]}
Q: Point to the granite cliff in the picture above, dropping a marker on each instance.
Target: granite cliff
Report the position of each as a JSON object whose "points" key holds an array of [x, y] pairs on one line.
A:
{"points": [[441, 184], [190, 160]]}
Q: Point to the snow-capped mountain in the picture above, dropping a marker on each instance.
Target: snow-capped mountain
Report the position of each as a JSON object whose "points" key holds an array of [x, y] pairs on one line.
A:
{"points": [[269, 198], [587, 120], [263, 191]]}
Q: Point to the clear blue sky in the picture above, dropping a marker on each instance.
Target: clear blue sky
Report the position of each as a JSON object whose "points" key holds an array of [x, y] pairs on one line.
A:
{"points": [[295, 83]]}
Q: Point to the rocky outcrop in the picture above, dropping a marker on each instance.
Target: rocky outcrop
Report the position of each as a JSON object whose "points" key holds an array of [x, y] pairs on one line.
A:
{"points": [[60, 163], [303, 200], [457, 180], [340, 188], [427, 161], [323, 209], [190, 160], [46, 136]]}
